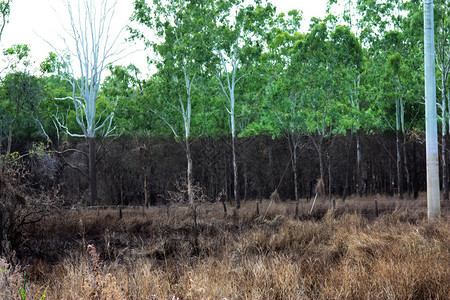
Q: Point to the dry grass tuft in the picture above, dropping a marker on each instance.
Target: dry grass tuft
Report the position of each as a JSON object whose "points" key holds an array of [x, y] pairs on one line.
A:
{"points": [[11, 280], [85, 278]]}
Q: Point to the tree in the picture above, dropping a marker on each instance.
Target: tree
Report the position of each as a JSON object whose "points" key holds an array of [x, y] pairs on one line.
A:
{"points": [[349, 60], [433, 194], [92, 46], [348, 13], [238, 31], [182, 28], [388, 31], [132, 116], [285, 88], [22, 93], [16, 59], [394, 67], [327, 58]]}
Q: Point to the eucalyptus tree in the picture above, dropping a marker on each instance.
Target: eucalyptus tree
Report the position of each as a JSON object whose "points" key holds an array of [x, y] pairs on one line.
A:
{"points": [[349, 62], [348, 14], [433, 194], [395, 103], [411, 42], [442, 32], [389, 36], [90, 47], [377, 17], [285, 89], [285, 106], [325, 59], [316, 68], [239, 31], [394, 65], [393, 91], [181, 49]]}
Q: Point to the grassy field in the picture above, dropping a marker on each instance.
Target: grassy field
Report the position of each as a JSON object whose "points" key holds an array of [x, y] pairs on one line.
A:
{"points": [[158, 253]]}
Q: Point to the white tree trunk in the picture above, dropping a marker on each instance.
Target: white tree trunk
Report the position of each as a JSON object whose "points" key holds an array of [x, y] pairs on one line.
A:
{"points": [[92, 47], [187, 113], [433, 193], [229, 92]]}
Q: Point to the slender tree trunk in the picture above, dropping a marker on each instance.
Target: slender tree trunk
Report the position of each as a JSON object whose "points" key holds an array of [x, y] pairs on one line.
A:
{"points": [[223, 198], [391, 183], [444, 168], [245, 182], [405, 163], [212, 184], [344, 194], [329, 176], [444, 140], [145, 190], [293, 144], [416, 176], [8, 150], [359, 180], [260, 196], [433, 194], [2, 235], [359, 173], [272, 185], [121, 197], [319, 148], [92, 170], [398, 148], [189, 171], [226, 177], [321, 164], [235, 172], [294, 170]]}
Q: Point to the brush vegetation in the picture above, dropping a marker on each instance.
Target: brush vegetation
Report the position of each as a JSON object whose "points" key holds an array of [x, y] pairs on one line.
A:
{"points": [[159, 253]]}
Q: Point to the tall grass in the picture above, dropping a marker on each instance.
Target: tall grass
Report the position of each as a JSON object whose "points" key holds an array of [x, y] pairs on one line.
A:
{"points": [[342, 254]]}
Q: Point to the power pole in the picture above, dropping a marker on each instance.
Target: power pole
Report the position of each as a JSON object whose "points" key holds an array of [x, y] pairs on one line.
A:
{"points": [[433, 193]]}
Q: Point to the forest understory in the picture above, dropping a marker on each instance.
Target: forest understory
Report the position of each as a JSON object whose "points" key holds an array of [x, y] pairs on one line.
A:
{"points": [[261, 251]]}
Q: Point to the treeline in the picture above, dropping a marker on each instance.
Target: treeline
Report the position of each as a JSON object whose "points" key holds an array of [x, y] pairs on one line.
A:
{"points": [[245, 101], [133, 171]]}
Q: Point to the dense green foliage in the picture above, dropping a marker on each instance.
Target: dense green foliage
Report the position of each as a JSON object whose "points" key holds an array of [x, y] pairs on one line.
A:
{"points": [[359, 68]]}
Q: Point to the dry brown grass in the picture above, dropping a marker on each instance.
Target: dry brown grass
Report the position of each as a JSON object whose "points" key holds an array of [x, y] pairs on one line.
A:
{"points": [[345, 253]]}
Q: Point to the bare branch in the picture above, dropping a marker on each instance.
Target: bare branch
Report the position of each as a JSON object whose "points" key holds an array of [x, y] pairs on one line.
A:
{"points": [[42, 129], [76, 168], [165, 121]]}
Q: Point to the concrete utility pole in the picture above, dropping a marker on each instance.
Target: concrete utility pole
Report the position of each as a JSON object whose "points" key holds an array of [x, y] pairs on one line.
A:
{"points": [[433, 193]]}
